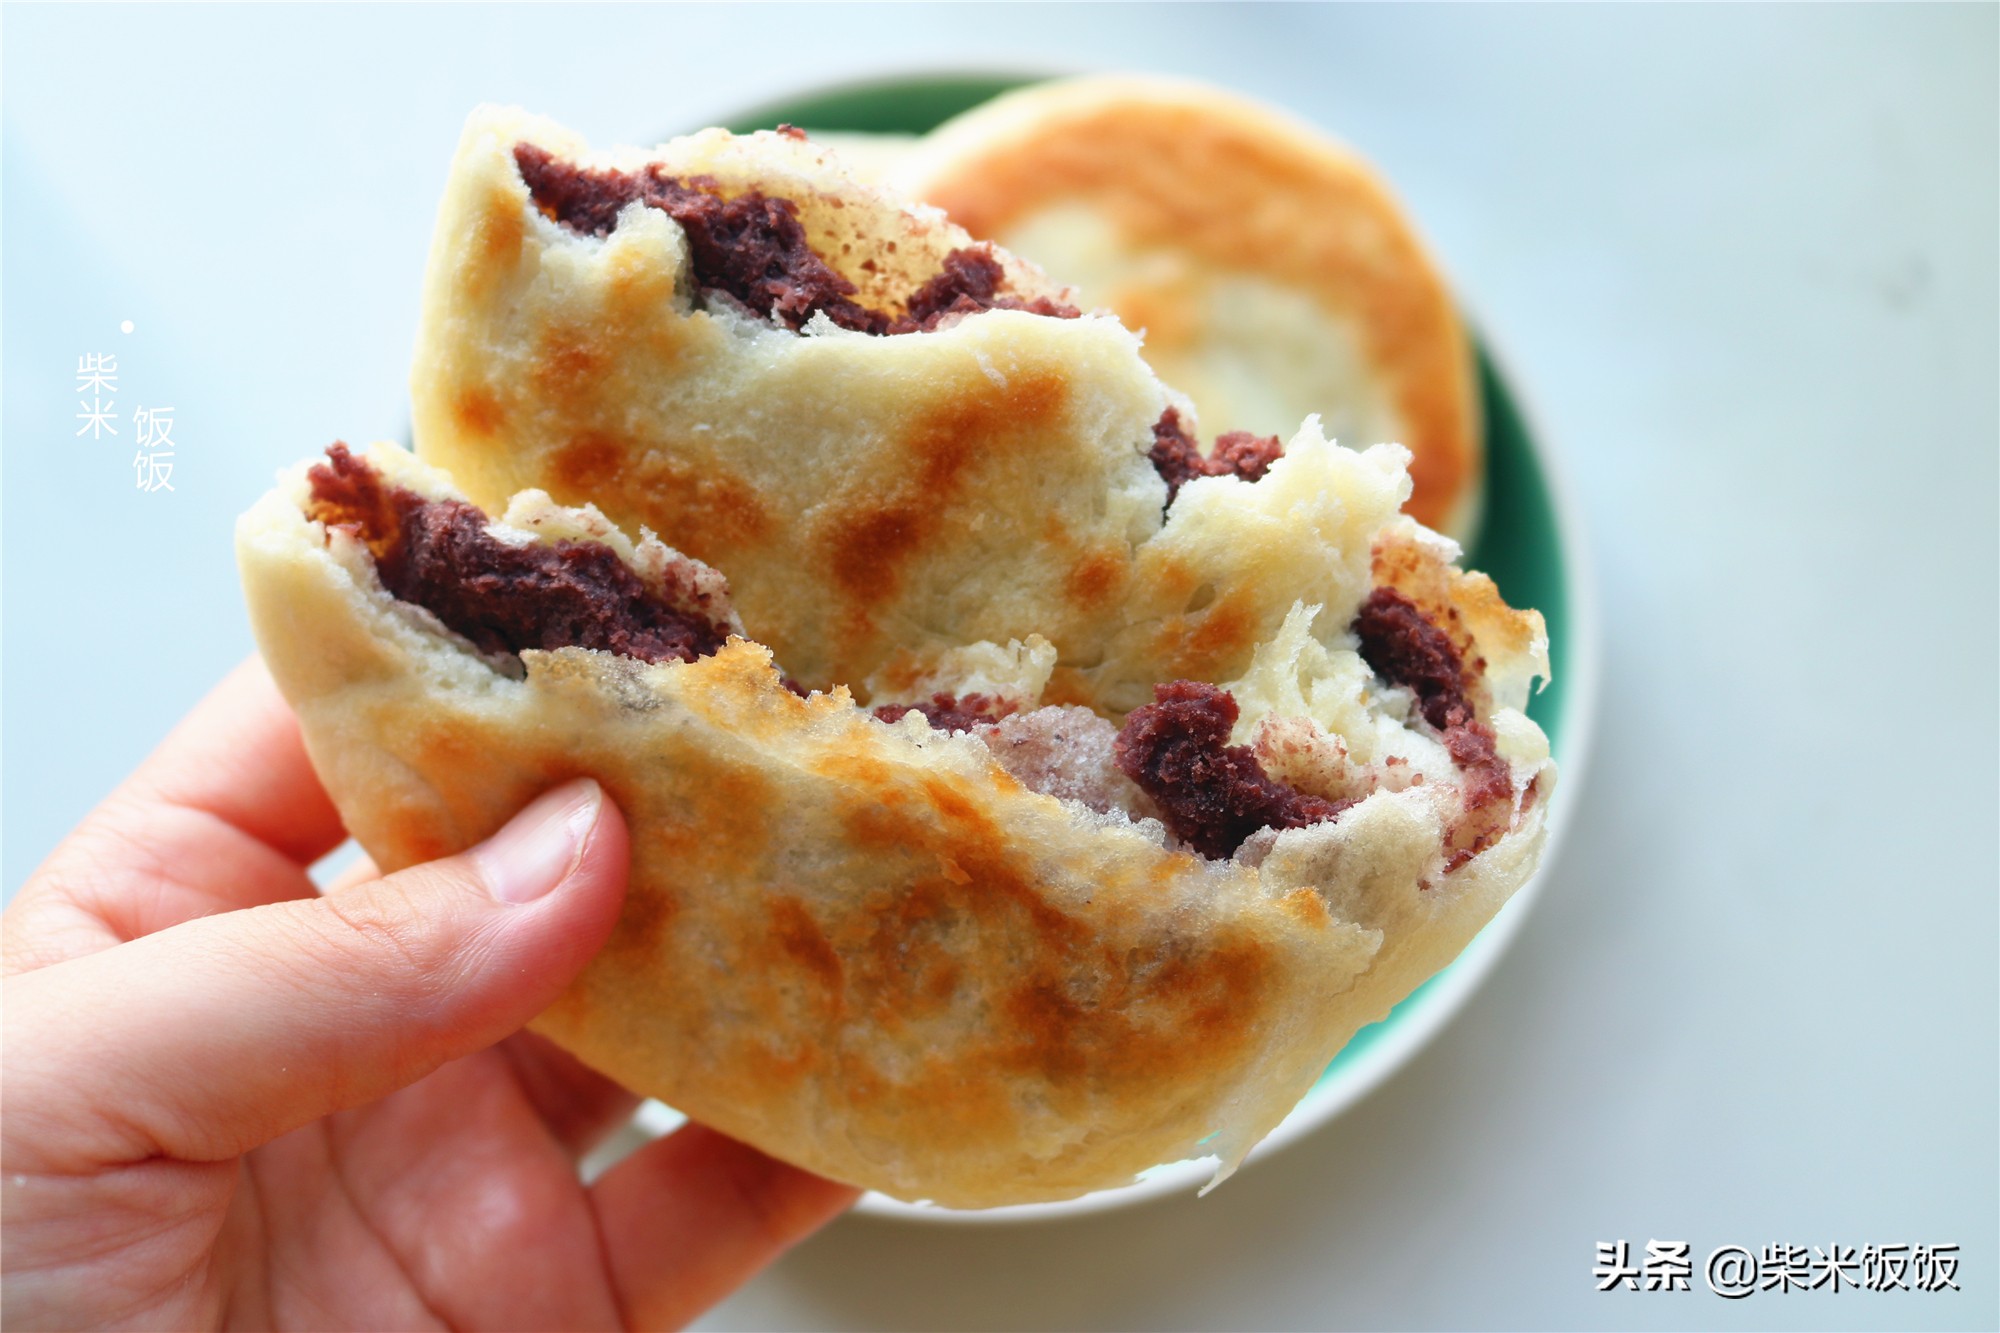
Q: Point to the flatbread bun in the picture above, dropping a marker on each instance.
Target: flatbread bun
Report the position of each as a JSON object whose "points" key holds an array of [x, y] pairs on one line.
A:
{"points": [[968, 963], [1270, 268], [874, 498], [842, 479], [1019, 798]]}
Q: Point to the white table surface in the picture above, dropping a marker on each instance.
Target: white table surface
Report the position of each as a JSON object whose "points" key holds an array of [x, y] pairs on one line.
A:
{"points": [[1744, 261]]}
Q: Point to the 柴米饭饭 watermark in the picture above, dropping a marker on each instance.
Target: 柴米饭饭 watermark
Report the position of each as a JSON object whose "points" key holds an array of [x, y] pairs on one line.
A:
{"points": [[1736, 1271]]}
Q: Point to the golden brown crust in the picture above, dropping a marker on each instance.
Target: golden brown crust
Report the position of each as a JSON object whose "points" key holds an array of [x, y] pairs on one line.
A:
{"points": [[1224, 187]]}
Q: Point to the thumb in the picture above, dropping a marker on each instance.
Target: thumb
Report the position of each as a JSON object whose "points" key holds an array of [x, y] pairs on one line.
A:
{"points": [[215, 1036]]}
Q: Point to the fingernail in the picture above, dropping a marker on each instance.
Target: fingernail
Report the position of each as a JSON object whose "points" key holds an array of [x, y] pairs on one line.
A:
{"points": [[540, 846]]}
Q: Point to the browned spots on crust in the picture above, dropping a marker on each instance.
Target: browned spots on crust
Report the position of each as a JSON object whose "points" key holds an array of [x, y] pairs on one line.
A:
{"points": [[1000, 882], [1305, 905], [801, 940], [935, 819], [590, 461], [416, 835], [737, 797], [951, 802], [1211, 643], [423, 831], [1175, 580], [639, 287], [1095, 1024], [1224, 629], [871, 541], [1069, 996], [939, 984], [477, 410], [1095, 579], [674, 829], [1080, 1002], [499, 233], [872, 547], [1405, 565], [1167, 307], [875, 828], [862, 772], [1215, 988], [1048, 1020], [905, 968], [699, 508], [568, 366], [643, 921], [1164, 871], [1442, 434]]}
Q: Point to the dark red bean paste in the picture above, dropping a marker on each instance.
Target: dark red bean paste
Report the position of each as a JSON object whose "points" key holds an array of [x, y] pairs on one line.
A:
{"points": [[950, 713], [1212, 794], [1179, 460], [1403, 647], [504, 598], [968, 283], [754, 249]]}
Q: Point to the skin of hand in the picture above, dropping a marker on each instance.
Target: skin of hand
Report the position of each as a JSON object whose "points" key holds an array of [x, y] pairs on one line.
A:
{"points": [[232, 1101]]}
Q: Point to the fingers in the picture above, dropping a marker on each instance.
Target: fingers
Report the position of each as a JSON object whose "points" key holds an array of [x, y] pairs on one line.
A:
{"points": [[239, 756], [225, 814], [691, 1217], [361, 871], [579, 1105], [220, 1034]]}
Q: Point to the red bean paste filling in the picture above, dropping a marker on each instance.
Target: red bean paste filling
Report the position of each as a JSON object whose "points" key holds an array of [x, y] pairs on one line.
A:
{"points": [[565, 594], [1403, 647], [949, 713], [1213, 794], [1179, 460], [968, 283], [754, 250]]}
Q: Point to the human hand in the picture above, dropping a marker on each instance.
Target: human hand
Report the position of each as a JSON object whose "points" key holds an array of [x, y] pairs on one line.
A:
{"points": [[231, 1101]]}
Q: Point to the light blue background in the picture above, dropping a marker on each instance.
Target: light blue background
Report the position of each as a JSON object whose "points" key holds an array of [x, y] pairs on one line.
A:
{"points": [[1744, 263]]}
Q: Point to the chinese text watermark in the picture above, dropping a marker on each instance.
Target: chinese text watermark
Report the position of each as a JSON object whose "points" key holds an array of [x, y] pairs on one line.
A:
{"points": [[152, 427], [154, 462], [1735, 1271], [97, 376]]}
